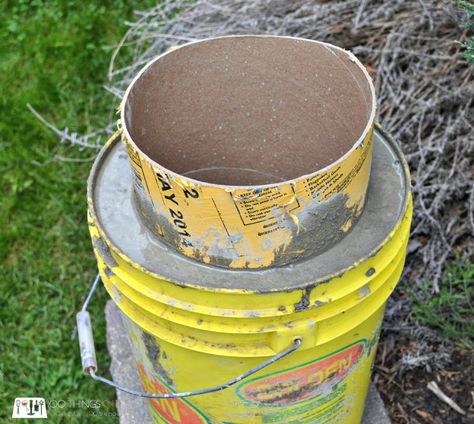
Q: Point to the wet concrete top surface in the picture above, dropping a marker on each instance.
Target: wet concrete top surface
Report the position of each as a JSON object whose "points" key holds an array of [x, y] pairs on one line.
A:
{"points": [[117, 217]]}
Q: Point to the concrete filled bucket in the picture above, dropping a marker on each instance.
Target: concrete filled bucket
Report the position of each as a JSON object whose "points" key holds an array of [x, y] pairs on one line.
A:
{"points": [[250, 151], [282, 344]]}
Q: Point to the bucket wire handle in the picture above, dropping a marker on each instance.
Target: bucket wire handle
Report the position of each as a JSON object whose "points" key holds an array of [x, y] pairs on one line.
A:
{"points": [[89, 361]]}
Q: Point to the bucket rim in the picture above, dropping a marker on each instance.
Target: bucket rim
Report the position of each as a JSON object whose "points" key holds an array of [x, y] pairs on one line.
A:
{"points": [[96, 222]]}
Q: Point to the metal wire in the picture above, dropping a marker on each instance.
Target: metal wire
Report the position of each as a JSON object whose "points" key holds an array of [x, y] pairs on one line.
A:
{"points": [[277, 357], [91, 292]]}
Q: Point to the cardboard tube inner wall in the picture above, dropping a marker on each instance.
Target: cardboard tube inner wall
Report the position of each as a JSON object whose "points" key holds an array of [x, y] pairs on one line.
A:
{"points": [[249, 110]]}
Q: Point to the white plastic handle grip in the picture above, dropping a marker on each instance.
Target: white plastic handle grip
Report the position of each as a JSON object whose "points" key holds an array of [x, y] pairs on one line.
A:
{"points": [[86, 342]]}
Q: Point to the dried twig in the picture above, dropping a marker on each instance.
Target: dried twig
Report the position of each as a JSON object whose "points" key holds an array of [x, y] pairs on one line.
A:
{"points": [[93, 140], [433, 387]]}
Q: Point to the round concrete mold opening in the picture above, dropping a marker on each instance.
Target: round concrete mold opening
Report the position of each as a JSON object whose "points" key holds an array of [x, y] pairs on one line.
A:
{"points": [[250, 151], [123, 232]]}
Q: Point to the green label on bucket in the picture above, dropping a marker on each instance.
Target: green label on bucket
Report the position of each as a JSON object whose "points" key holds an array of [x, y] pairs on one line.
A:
{"points": [[310, 392]]}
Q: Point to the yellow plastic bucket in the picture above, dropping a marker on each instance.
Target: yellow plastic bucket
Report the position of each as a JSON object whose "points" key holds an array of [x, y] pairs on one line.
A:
{"points": [[250, 151], [194, 326]]}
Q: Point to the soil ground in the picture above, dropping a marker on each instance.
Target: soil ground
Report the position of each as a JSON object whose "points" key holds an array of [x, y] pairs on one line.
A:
{"points": [[404, 389]]}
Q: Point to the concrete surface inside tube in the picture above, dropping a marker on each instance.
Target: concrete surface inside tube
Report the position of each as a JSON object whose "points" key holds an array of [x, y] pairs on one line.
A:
{"points": [[113, 204]]}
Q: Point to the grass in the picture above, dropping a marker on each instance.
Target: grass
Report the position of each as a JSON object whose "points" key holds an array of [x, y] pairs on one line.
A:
{"points": [[467, 9], [54, 54], [451, 311]]}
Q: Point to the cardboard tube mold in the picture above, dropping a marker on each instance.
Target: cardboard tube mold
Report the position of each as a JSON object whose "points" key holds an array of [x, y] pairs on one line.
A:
{"points": [[250, 151]]}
